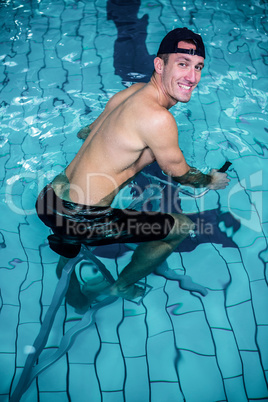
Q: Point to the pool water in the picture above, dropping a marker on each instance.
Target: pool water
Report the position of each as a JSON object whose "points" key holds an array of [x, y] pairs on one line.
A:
{"points": [[61, 61]]}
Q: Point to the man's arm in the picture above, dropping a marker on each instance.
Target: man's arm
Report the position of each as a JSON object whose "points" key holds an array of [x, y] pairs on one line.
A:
{"points": [[194, 178], [164, 145], [214, 180]]}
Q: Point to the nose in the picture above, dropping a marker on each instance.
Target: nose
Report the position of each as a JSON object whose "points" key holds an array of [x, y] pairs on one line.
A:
{"points": [[191, 75]]}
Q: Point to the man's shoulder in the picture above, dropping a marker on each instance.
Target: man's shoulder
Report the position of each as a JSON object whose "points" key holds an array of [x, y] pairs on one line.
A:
{"points": [[158, 117], [158, 125], [121, 96]]}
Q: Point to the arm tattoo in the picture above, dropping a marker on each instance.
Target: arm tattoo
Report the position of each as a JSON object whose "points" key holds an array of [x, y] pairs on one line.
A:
{"points": [[194, 178]]}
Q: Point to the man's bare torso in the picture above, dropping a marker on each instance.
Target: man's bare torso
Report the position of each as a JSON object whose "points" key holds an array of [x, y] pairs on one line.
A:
{"points": [[113, 152]]}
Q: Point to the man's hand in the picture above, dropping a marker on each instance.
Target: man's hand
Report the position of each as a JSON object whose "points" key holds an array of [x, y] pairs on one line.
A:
{"points": [[219, 180]]}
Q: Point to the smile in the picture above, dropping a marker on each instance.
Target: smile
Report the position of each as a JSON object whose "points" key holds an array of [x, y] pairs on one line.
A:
{"points": [[184, 86]]}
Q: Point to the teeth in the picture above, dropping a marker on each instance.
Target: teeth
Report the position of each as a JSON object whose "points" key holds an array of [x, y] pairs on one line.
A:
{"points": [[184, 86]]}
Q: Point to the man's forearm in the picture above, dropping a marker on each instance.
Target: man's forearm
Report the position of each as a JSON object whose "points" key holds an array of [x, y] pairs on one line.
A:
{"points": [[194, 178]]}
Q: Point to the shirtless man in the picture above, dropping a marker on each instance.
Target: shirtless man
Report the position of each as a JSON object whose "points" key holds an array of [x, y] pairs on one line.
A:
{"points": [[135, 129]]}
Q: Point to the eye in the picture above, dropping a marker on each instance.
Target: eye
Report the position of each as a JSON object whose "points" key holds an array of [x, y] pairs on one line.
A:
{"points": [[199, 68], [182, 64]]}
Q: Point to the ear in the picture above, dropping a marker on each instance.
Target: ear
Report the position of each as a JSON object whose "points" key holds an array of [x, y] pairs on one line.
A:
{"points": [[158, 65]]}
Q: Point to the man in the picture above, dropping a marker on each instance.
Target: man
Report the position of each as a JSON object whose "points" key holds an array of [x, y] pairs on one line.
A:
{"points": [[135, 129]]}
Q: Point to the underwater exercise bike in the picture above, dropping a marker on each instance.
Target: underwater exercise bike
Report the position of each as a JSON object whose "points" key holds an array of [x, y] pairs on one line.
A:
{"points": [[31, 369]]}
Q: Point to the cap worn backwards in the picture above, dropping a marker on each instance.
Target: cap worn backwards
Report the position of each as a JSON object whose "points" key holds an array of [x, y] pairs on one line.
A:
{"points": [[170, 43]]}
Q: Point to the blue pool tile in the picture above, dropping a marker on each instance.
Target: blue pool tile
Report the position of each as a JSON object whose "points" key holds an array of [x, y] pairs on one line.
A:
{"points": [[48, 291], [136, 373], [259, 67], [235, 390], [84, 382], [108, 320], [208, 202], [70, 53], [107, 77], [246, 235], [15, 65], [51, 9], [262, 336], [106, 67], [174, 262], [10, 284], [4, 160], [30, 303], [33, 256], [166, 392], [88, 85], [242, 321], [51, 38], [89, 59], [52, 62], [214, 306], [8, 337], [72, 14], [33, 78], [36, 58], [55, 23], [6, 372], [186, 326], [49, 258], [5, 398], [188, 205], [113, 396], [238, 289], [109, 357], [254, 266], [161, 351], [156, 281], [230, 363], [264, 218], [52, 77], [16, 155], [255, 381], [133, 342], [53, 379], [206, 267], [156, 318], [200, 378], [55, 396], [85, 347], [74, 71], [29, 241], [181, 301], [259, 300]]}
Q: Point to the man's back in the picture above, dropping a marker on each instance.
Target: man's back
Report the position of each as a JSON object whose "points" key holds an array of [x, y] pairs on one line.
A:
{"points": [[114, 151]]}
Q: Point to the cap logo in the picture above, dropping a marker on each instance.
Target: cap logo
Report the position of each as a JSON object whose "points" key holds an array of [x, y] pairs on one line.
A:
{"points": [[192, 52]]}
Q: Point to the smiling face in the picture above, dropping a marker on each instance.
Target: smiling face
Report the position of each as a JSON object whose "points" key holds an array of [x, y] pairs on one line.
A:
{"points": [[181, 74]]}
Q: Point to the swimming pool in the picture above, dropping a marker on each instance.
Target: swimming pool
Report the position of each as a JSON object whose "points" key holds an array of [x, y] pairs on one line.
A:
{"points": [[61, 61]]}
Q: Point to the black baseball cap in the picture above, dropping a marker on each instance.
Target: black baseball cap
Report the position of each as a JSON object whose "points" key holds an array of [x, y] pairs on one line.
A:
{"points": [[170, 42]]}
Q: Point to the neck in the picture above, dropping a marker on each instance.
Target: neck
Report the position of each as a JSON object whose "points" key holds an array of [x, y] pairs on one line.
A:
{"points": [[163, 98]]}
